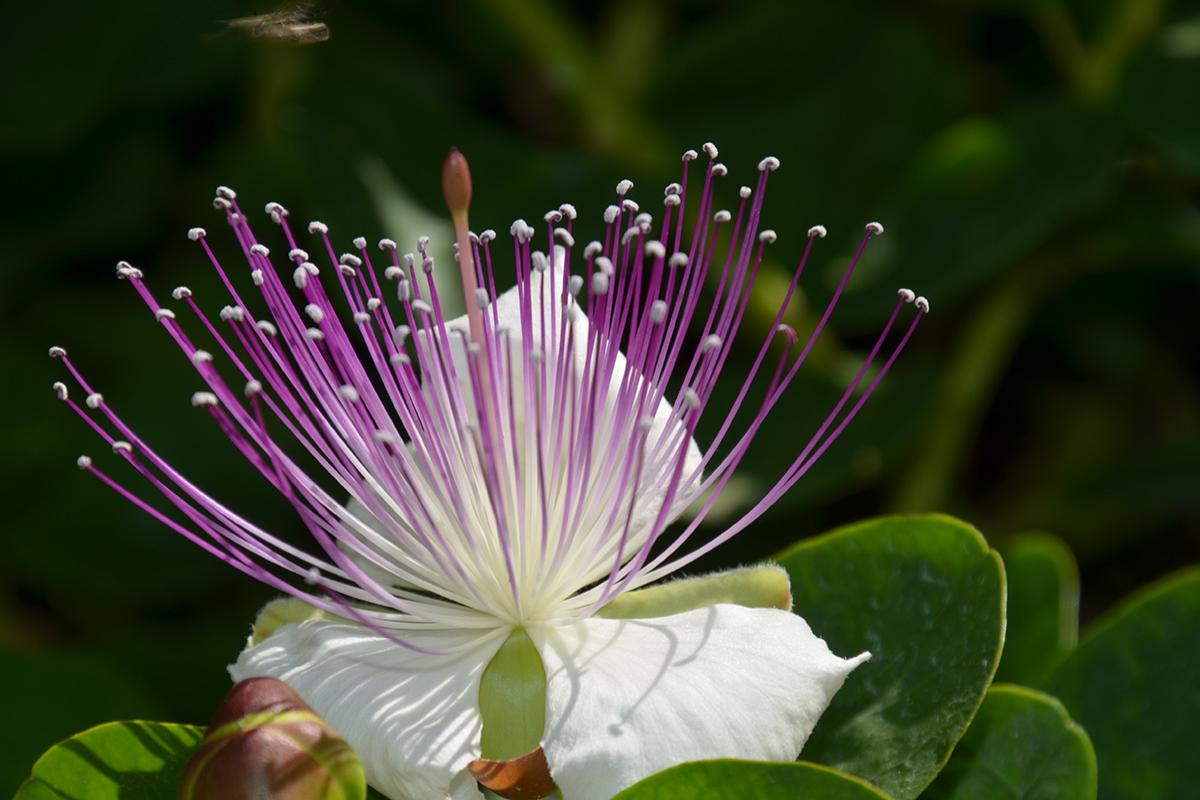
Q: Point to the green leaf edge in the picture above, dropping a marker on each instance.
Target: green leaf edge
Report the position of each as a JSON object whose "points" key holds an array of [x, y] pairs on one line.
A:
{"points": [[984, 548], [861, 782], [33, 778], [1069, 722], [1124, 607]]}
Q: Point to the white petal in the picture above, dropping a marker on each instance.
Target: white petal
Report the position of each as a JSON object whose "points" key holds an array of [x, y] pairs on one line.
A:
{"points": [[412, 718], [628, 698], [548, 287]]}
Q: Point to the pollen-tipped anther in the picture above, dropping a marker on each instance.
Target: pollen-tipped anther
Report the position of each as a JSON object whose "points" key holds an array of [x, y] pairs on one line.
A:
{"points": [[818, 232], [60, 390], [907, 295], [922, 305], [196, 234], [875, 228], [57, 352]]}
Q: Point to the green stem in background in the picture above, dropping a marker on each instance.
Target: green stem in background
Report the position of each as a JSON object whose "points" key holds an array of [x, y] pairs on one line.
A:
{"points": [[606, 114], [970, 380], [1093, 72]]}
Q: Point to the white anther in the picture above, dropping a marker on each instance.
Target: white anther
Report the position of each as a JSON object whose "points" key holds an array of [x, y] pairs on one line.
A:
{"points": [[658, 311], [481, 298], [422, 307], [181, 293], [399, 358], [690, 398], [610, 215], [235, 217], [472, 235], [314, 335], [564, 235], [226, 192], [521, 230], [573, 314], [629, 205], [604, 264], [768, 236], [690, 155], [631, 233], [60, 390], [553, 215], [252, 388], [297, 255], [787, 330], [874, 228], [196, 234], [163, 313], [121, 446], [315, 313], [655, 249], [768, 164], [93, 400], [221, 204], [318, 227], [710, 343], [350, 259], [744, 192], [722, 216], [313, 576], [907, 295], [234, 313], [709, 149], [575, 285], [202, 357], [623, 187], [258, 277], [404, 290], [487, 236], [387, 244], [349, 271], [349, 393], [267, 327], [362, 317], [540, 262], [672, 188], [409, 260], [592, 249], [720, 170], [203, 399], [818, 231], [57, 352], [677, 260], [671, 201], [383, 437], [422, 243], [125, 270], [276, 211], [260, 250], [393, 273], [568, 211], [300, 277], [922, 304], [359, 242], [402, 334], [600, 283], [83, 462], [643, 221], [373, 303]]}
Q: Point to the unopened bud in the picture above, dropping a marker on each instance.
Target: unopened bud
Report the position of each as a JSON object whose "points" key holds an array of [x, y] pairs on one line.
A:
{"points": [[264, 743]]}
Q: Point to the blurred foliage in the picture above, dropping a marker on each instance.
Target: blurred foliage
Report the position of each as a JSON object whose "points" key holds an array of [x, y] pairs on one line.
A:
{"points": [[1036, 163]]}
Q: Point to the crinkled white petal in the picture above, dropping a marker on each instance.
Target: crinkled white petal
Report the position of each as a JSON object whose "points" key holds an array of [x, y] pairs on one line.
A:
{"points": [[412, 718], [628, 698]]}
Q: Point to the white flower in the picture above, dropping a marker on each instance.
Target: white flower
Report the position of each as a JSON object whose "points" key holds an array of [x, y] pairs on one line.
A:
{"points": [[515, 470]]}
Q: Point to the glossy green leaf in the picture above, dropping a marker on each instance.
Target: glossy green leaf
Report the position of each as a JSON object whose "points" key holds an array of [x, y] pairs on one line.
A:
{"points": [[729, 779], [1132, 684], [114, 761], [1022, 745], [925, 595], [1043, 607]]}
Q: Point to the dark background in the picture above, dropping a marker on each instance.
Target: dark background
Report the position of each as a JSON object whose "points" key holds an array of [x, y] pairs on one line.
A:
{"points": [[1035, 163]]}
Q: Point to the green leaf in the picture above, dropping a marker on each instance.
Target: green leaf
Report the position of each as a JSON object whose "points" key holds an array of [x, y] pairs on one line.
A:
{"points": [[924, 594], [1022, 745], [1043, 607], [1132, 684], [114, 761], [730, 779]]}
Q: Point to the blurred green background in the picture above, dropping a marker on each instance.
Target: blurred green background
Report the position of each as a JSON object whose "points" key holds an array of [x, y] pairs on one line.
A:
{"points": [[1036, 165]]}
